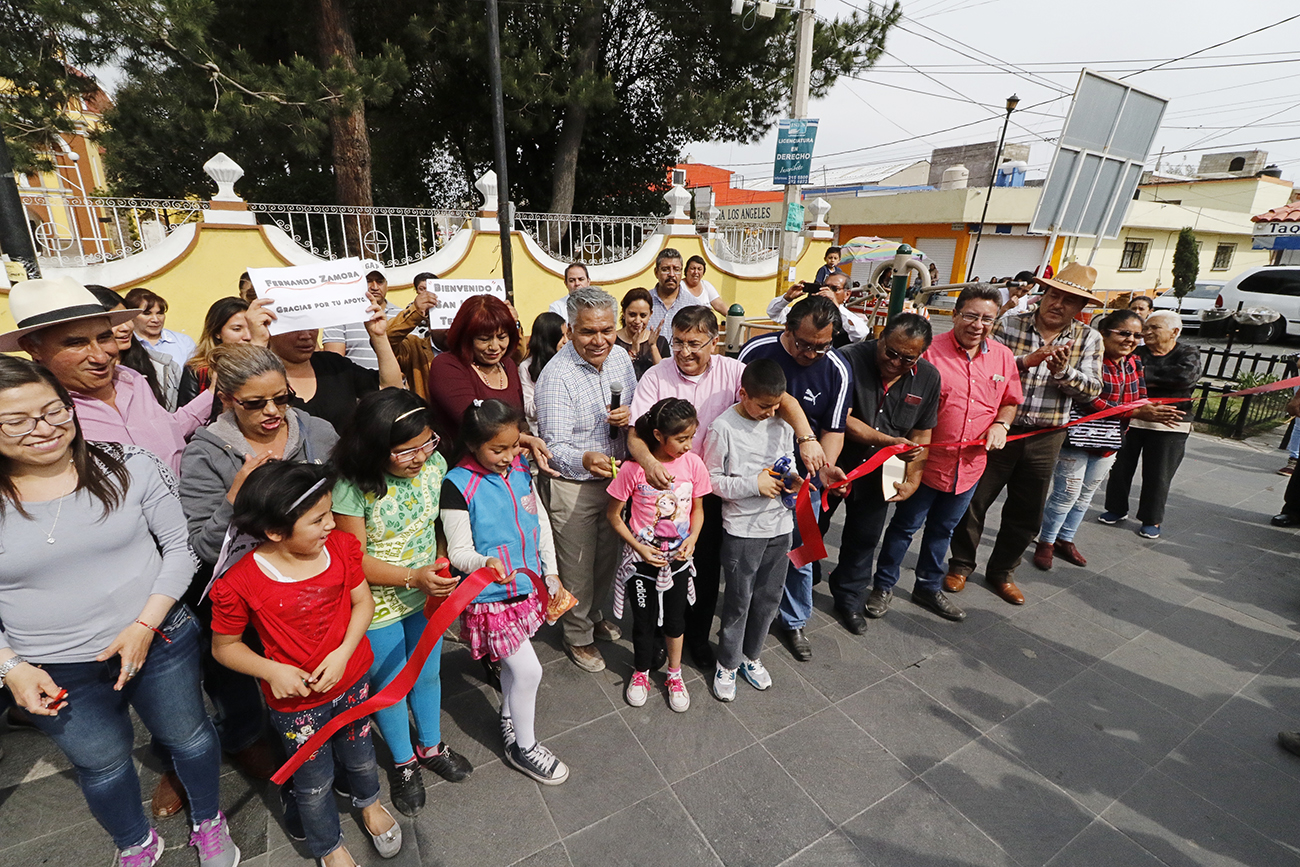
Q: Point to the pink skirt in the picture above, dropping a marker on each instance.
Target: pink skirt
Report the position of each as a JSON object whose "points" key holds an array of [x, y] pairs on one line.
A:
{"points": [[498, 629]]}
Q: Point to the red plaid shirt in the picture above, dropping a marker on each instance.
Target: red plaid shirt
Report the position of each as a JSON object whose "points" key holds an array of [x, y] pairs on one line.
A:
{"points": [[1121, 383]]}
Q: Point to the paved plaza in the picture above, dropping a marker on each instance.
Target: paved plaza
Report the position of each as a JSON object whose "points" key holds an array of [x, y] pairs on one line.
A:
{"points": [[1126, 715]]}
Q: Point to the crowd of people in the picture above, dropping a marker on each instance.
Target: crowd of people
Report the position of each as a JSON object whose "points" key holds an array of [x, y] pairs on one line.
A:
{"points": [[263, 519]]}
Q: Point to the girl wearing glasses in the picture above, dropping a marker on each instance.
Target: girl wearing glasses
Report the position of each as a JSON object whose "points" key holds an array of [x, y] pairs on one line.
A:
{"points": [[390, 482]]}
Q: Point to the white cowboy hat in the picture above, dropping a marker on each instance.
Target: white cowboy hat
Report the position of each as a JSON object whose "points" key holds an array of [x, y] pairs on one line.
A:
{"points": [[37, 304]]}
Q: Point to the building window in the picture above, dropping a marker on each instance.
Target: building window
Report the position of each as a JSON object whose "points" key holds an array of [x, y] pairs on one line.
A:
{"points": [[1223, 257], [1238, 164], [1134, 257]]}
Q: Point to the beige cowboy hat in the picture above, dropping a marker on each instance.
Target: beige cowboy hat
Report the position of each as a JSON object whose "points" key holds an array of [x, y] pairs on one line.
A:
{"points": [[1075, 279], [37, 304]]}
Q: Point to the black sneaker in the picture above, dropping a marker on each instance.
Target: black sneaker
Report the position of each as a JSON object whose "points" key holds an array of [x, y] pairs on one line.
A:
{"points": [[507, 731], [539, 763], [406, 788], [292, 818], [451, 766]]}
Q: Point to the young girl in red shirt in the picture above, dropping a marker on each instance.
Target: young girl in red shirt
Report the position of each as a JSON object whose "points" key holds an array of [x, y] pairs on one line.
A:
{"points": [[304, 592]]}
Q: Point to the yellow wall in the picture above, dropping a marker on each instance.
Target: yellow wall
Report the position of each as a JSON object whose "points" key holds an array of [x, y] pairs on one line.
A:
{"points": [[209, 269]]}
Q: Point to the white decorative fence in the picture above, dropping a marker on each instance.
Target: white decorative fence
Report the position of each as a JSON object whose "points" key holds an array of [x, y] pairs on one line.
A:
{"points": [[392, 236], [587, 238], [75, 231]]}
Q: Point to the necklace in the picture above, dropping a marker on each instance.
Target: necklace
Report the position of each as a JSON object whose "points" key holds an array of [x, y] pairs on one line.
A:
{"points": [[49, 537], [495, 369]]}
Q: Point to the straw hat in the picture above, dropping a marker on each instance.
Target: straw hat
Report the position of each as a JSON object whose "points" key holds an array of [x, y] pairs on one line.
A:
{"points": [[1075, 279], [37, 304]]}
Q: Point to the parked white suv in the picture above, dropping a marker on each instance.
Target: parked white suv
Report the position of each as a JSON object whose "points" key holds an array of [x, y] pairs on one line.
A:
{"points": [[1203, 296], [1276, 287]]}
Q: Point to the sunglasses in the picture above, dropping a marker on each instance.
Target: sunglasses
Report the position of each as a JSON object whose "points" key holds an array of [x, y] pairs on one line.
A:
{"points": [[894, 355], [812, 348], [280, 400], [1129, 334]]}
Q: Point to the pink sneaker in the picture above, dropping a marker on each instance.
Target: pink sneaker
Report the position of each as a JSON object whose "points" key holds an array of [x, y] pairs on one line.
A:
{"points": [[146, 854], [638, 688], [678, 698]]}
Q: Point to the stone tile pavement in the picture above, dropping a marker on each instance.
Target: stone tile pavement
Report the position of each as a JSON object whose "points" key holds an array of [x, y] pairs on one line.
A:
{"points": [[1125, 716]]}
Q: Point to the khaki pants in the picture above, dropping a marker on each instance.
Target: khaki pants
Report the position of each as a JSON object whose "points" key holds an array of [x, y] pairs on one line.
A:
{"points": [[587, 549]]}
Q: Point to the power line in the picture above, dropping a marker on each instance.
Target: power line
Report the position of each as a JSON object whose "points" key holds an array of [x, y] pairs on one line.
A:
{"points": [[1214, 46]]}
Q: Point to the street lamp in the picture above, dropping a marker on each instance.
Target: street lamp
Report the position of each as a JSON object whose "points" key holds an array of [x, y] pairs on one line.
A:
{"points": [[1012, 102]]}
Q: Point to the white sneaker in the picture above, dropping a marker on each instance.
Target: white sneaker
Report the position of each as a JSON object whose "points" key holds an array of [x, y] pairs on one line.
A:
{"points": [[724, 683], [678, 698], [755, 673], [638, 688]]}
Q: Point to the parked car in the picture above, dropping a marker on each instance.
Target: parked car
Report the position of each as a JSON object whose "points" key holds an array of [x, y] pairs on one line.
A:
{"points": [[1202, 297], [1276, 287]]}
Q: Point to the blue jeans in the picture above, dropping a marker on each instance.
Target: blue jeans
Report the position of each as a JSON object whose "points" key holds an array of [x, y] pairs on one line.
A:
{"points": [[1078, 475], [95, 732], [940, 512], [392, 646], [313, 782], [796, 602]]}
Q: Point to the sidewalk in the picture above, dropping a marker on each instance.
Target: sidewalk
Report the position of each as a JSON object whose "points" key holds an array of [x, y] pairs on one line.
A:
{"points": [[1126, 715]]}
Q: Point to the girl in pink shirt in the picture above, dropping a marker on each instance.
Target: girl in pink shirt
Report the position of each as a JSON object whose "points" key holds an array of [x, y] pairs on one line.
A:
{"points": [[656, 570]]}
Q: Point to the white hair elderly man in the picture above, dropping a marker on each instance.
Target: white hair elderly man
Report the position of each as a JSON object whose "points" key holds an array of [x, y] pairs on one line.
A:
{"points": [[587, 438]]}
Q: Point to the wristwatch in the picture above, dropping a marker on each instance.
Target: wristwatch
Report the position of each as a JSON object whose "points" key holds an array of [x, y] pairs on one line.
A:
{"points": [[805, 439], [9, 665], [1005, 424]]}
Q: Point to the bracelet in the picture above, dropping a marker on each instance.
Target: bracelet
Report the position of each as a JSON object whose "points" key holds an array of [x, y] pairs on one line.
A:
{"points": [[407, 582], [9, 665], [805, 439], [155, 629]]}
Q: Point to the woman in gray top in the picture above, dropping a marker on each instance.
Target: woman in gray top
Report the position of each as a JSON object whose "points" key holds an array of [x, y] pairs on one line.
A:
{"points": [[257, 426], [93, 557]]}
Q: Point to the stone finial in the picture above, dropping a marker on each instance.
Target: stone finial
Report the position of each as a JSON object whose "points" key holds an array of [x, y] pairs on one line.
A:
{"points": [[819, 208], [714, 213], [677, 199], [487, 187], [225, 172]]}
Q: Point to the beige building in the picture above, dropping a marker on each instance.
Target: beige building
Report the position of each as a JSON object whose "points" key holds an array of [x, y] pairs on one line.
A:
{"points": [[943, 224]]}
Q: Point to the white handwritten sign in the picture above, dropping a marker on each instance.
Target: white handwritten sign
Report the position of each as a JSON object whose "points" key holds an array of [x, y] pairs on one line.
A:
{"points": [[314, 296], [453, 293]]}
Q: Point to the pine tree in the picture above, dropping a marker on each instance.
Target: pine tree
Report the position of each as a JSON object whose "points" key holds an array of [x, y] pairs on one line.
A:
{"points": [[1186, 263]]}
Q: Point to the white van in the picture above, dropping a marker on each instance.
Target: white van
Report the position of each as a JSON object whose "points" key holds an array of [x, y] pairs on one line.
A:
{"points": [[1276, 287]]}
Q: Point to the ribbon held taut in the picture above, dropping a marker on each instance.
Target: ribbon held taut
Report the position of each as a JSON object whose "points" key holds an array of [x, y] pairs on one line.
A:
{"points": [[446, 610]]}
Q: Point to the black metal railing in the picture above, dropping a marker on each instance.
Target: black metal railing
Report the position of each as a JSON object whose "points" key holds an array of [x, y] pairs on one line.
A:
{"points": [[1240, 417]]}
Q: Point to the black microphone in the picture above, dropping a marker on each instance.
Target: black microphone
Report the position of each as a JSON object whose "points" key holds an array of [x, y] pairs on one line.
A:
{"points": [[615, 399]]}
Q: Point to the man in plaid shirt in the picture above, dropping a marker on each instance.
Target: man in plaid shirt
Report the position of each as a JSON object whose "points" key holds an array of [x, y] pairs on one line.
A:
{"points": [[1059, 359]]}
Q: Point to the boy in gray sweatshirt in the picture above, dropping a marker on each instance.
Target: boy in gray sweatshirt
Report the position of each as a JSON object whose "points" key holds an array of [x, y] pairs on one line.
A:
{"points": [[740, 448]]}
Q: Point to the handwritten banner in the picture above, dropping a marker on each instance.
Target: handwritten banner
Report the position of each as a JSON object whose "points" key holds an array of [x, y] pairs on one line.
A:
{"points": [[314, 296], [453, 293]]}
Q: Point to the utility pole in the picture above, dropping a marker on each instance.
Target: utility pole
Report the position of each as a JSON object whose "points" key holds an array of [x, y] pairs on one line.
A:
{"points": [[798, 109], [505, 211], [14, 239], [1012, 101]]}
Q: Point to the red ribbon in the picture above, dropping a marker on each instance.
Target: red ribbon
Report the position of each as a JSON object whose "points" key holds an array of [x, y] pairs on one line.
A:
{"points": [[441, 612]]}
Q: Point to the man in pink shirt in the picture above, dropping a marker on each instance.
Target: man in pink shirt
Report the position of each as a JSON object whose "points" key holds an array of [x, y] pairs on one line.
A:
{"points": [[712, 384], [64, 328], [980, 393]]}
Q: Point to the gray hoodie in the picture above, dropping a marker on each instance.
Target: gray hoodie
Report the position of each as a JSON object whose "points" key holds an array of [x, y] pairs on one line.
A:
{"points": [[215, 456]]}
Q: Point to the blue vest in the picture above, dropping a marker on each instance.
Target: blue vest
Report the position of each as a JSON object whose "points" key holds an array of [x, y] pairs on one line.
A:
{"points": [[503, 516]]}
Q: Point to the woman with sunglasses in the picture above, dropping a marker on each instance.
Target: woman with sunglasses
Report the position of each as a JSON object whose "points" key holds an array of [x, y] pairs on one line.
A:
{"points": [[1090, 448], [390, 480], [92, 564]]}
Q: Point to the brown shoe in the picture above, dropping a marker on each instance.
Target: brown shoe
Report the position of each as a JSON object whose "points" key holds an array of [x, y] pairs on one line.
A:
{"points": [[1043, 556], [169, 797], [954, 582], [606, 630], [586, 657], [1008, 591], [257, 760], [1070, 554]]}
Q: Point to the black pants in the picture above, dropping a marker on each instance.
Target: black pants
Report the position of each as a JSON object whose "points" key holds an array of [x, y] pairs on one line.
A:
{"points": [[1160, 452], [1024, 467], [708, 575], [643, 599], [865, 510], [1291, 499]]}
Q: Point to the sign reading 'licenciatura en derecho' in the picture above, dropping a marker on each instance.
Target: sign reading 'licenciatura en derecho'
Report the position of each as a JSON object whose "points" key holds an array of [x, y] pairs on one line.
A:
{"points": [[794, 148]]}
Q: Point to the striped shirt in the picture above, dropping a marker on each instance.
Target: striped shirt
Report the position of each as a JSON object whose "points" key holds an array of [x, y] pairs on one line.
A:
{"points": [[1048, 398], [572, 400], [356, 339]]}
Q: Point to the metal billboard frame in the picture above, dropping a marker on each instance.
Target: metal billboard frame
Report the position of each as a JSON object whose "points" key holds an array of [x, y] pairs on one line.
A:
{"points": [[1114, 175]]}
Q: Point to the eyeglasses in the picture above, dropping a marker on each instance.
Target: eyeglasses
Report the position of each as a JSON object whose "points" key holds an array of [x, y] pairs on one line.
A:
{"points": [[972, 318], [405, 456], [811, 348], [280, 400], [689, 345], [21, 427], [1132, 334], [894, 355]]}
